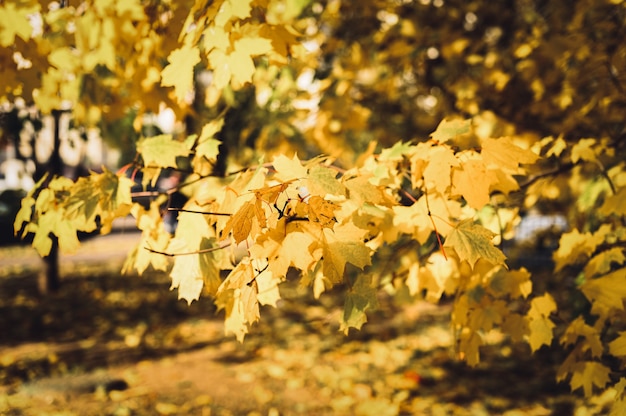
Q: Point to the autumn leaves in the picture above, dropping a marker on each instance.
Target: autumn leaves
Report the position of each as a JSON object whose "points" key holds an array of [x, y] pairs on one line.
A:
{"points": [[329, 225]]}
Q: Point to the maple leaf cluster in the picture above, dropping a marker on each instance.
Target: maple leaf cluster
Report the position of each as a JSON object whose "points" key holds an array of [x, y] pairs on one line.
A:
{"points": [[324, 223]]}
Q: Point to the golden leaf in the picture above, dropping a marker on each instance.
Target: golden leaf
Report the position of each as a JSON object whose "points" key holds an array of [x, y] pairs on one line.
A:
{"points": [[606, 293], [589, 374], [583, 151], [288, 169], [440, 160], [179, 72], [587, 337], [321, 211], [617, 347], [240, 223], [539, 323], [503, 153], [450, 128], [472, 241], [472, 180]]}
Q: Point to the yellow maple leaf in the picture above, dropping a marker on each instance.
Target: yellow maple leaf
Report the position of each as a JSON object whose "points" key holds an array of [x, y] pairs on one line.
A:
{"points": [[341, 247], [487, 315], [321, 211], [179, 72], [469, 346], [208, 145], [237, 295], [285, 246], [591, 341], [270, 194], [187, 277], [191, 272], [472, 241], [541, 333], [472, 180], [240, 223], [602, 262], [606, 293], [589, 374], [53, 222], [267, 286], [574, 247], [617, 347], [150, 223], [504, 154], [230, 9], [215, 37], [514, 283], [362, 191], [614, 204], [288, 169], [161, 151], [542, 306], [222, 72], [450, 128], [237, 67], [360, 298], [583, 151], [440, 160], [503, 181], [416, 221], [437, 276], [14, 22], [539, 324]]}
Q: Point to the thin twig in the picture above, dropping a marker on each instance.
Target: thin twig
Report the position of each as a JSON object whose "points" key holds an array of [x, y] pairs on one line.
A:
{"points": [[559, 169], [443, 251], [189, 253], [199, 212]]}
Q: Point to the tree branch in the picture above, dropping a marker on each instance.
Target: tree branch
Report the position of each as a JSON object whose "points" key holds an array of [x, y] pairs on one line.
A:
{"points": [[188, 253]]}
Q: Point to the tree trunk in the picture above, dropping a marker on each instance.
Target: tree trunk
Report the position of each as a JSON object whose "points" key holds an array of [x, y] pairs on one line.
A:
{"points": [[49, 280]]}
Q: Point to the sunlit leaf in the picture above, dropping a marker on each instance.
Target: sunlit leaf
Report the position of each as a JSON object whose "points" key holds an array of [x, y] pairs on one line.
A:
{"points": [[505, 154], [14, 22], [161, 151], [289, 169], [450, 128], [472, 241], [606, 293], [179, 72], [473, 181], [602, 262]]}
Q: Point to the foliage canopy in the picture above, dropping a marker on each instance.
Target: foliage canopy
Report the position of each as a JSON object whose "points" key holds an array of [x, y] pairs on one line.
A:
{"points": [[441, 125]]}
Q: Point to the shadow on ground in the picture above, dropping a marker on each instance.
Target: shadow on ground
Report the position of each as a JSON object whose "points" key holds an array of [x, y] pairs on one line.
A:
{"points": [[125, 345]]}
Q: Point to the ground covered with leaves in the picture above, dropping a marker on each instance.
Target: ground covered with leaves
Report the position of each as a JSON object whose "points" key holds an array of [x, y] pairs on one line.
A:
{"points": [[125, 345]]}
